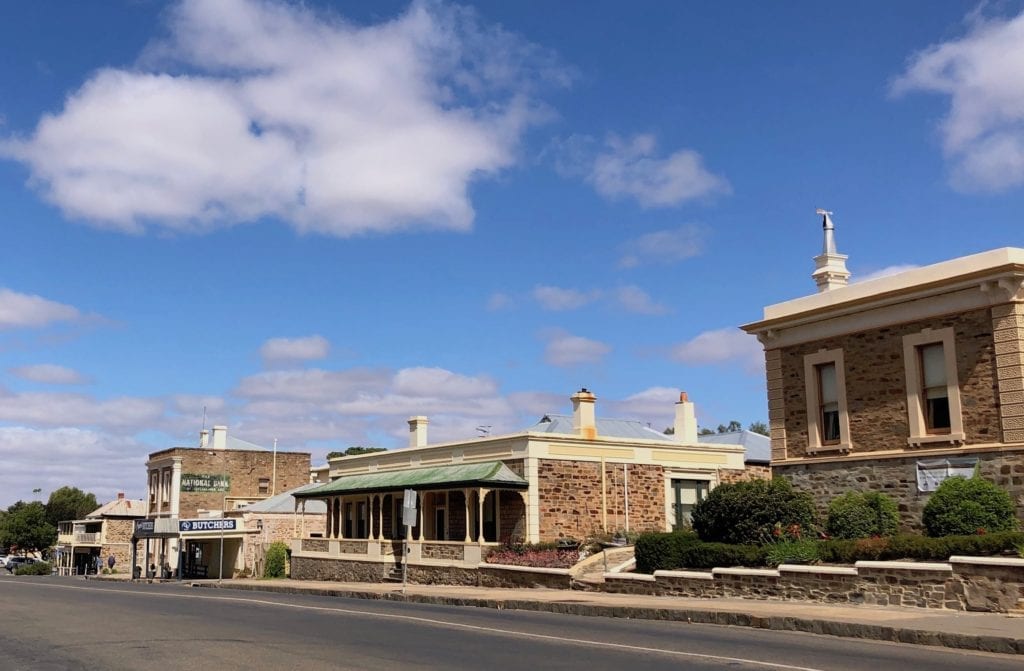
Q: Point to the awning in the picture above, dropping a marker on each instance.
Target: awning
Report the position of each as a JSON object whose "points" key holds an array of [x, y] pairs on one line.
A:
{"points": [[492, 474]]}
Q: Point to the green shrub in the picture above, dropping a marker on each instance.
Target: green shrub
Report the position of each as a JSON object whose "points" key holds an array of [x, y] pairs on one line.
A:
{"points": [[919, 548], [277, 556], [802, 551], [662, 551], [862, 515], [720, 555], [38, 568], [968, 505], [746, 512]]}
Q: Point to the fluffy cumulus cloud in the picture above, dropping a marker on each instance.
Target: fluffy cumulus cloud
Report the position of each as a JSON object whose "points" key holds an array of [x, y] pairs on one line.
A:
{"points": [[633, 168], [663, 247], [558, 299], [565, 349], [983, 131], [295, 349], [19, 310], [636, 300], [721, 346], [49, 373], [260, 108]]}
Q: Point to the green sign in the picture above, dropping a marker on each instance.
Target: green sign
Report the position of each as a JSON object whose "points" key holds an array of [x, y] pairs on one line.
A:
{"points": [[205, 482]]}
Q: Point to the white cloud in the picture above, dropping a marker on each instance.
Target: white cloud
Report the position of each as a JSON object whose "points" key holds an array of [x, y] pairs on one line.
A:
{"points": [[635, 299], [564, 349], [253, 109], [631, 168], [883, 272], [983, 132], [295, 349], [63, 409], [314, 385], [498, 301], [558, 299], [440, 382], [49, 373], [27, 310], [667, 246], [721, 346]]}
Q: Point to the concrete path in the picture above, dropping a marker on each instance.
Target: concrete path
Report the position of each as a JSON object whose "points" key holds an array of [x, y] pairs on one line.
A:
{"points": [[990, 632]]}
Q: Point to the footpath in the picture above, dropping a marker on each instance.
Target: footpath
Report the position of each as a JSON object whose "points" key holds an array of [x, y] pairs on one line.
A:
{"points": [[988, 632]]}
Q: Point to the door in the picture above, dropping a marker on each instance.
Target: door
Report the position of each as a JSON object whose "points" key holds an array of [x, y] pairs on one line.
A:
{"points": [[439, 530], [686, 494]]}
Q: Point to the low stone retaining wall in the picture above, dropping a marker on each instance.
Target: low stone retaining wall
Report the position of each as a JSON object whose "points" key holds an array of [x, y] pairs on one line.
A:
{"points": [[992, 584], [351, 569]]}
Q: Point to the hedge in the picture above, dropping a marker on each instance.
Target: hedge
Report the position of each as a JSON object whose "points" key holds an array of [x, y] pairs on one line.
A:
{"points": [[38, 568], [968, 505], [862, 515], [654, 551], [276, 558]]}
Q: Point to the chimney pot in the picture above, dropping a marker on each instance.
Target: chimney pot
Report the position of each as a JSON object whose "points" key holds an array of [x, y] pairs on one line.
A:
{"points": [[685, 428], [584, 421], [120, 496]]}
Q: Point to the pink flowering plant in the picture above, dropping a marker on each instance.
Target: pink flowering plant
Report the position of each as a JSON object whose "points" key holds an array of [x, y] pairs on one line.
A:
{"points": [[536, 555]]}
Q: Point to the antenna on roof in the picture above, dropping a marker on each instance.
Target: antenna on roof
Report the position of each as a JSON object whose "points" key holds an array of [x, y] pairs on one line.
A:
{"points": [[484, 430], [204, 418]]}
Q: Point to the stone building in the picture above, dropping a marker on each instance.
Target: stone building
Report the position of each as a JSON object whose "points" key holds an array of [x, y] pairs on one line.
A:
{"points": [[566, 477], [896, 383], [221, 474], [103, 533], [275, 519]]}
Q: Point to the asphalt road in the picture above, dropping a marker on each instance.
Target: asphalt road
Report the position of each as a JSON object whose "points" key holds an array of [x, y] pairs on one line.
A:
{"points": [[49, 623]]}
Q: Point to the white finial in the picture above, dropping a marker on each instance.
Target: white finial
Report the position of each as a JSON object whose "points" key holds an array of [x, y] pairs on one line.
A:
{"points": [[830, 267]]}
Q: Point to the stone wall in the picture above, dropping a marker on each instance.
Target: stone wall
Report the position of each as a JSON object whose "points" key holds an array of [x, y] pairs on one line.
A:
{"points": [[449, 551], [876, 385], [988, 584], [315, 568], [897, 477], [569, 494], [512, 515], [314, 545], [117, 541], [245, 467], [751, 472], [352, 570], [276, 527]]}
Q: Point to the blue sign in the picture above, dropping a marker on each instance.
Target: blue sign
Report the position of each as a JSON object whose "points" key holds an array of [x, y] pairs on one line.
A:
{"points": [[218, 524]]}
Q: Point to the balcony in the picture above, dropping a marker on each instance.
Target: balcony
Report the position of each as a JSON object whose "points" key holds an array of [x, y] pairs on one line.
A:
{"points": [[87, 538]]}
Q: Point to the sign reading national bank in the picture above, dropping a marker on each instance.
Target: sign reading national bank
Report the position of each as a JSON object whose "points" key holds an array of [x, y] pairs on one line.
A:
{"points": [[205, 482]]}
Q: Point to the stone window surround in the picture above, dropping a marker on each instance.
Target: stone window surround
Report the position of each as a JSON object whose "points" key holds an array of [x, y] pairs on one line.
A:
{"points": [[811, 362], [915, 404]]}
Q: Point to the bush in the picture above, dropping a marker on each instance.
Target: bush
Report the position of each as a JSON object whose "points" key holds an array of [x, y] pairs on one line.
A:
{"points": [[720, 555], [963, 506], [662, 551], [862, 515], [746, 512], [38, 568], [919, 548], [277, 556]]}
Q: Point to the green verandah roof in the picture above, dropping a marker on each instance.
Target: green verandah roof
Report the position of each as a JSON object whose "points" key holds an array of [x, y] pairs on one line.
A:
{"points": [[492, 474]]}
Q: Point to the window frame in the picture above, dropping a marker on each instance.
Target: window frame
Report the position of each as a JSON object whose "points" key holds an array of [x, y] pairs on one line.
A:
{"points": [[812, 388], [914, 370]]}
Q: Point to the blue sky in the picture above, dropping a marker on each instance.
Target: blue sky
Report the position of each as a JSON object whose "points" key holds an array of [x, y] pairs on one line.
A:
{"points": [[317, 220]]}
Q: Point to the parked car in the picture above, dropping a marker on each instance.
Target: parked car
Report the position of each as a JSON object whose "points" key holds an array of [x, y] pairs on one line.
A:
{"points": [[14, 562]]}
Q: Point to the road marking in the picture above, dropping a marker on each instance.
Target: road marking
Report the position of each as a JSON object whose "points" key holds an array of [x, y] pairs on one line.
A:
{"points": [[435, 622]]}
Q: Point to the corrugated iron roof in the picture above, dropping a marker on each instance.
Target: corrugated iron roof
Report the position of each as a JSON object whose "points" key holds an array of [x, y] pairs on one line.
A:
{"points": [[120, 508], [609, 428], [757, 447], [487, 473], [285, 503]]}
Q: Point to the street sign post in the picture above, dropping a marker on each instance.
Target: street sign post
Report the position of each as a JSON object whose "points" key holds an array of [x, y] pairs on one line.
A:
{"points": [[410, 502]]}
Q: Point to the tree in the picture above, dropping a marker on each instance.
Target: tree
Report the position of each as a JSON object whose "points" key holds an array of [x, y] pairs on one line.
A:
{"points": [[25, 527], [705, 431], [354, 450], [730, 428], [69, 503], [759, 427]]}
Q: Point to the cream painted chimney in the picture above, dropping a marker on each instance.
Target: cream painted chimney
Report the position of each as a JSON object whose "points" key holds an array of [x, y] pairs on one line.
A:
{"points": [[204, 438], [220, 438], [686, 421], [830, 266], [583, 420], [418, 431]]}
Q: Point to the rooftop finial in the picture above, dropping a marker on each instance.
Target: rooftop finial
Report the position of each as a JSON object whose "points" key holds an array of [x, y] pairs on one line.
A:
{"points": [[830, 267]]}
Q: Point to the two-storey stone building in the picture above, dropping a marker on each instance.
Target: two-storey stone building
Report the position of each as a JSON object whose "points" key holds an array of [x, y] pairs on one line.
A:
{"points": [[221, 474], [85, 545], [896, 383]]}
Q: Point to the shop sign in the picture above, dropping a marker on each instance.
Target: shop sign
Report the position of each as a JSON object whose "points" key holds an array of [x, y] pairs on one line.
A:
{"points": [[215, 524], [205, 482]]}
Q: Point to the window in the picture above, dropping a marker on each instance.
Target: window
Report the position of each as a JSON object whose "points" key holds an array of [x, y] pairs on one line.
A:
{"points": [[828, 423], [165, 487], [828, 403], [933, 394], [264, 485], [154, 484]]}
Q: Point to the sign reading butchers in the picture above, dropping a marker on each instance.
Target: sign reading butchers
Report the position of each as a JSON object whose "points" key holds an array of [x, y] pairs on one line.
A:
{"points": [[205, 482]]}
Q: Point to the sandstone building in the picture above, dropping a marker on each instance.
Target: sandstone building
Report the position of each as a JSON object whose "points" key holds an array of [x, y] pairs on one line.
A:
{"points": [[103, 533], [566, 477], [221, 474], [894, 384]]}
